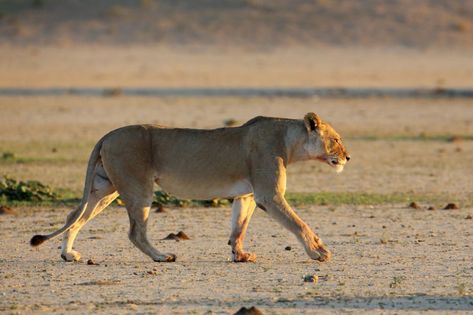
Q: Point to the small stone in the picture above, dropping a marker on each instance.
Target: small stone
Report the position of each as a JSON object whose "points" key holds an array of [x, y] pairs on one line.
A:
{"points": [[288, 248], [171, 236], [160, 209], [414, 205], [132, 306], [7, 210], [249, 311], [182, 236], [469, 217], [431, 208], [91, 262], [451, 206], [311, 278], [456, 139]]}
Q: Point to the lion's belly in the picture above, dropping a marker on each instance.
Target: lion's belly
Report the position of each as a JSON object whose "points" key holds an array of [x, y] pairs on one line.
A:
{"points": [[205, 190]]}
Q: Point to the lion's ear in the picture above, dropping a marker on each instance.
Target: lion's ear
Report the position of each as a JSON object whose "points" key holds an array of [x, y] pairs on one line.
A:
{"points": [[312, 121]]}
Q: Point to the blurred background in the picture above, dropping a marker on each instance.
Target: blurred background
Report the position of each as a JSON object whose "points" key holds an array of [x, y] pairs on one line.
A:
{"points": [[72, 70], [336, 43]]}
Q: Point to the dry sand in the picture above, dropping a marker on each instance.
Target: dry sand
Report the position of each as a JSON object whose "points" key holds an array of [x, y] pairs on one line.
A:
{"points": [[387, 259], [289, 66]]}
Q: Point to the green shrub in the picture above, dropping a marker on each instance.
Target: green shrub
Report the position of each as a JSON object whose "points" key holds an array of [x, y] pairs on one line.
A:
{"points": [[164, 199], [31, 190], [8, 156]]}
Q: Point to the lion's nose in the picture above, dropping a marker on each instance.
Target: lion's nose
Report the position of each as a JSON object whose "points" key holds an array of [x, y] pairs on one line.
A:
{"points": [[348, 158]]}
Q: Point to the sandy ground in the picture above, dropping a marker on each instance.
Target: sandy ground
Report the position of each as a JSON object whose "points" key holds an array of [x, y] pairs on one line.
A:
{"points": [[387, 258], [155, 65]]}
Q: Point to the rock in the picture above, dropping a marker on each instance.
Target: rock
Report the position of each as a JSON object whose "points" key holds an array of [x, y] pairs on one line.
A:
{"points": [[160, 209], [183, 236], [171, 236], [249, 311], [431, 208], [311, 278], [469, 217], [414, 205], [7, 210], [456, 139], [451, 206], [91, 262], [180, 236], [288, 248]]}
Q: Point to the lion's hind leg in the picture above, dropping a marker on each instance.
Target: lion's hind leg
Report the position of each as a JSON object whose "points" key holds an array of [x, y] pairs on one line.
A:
{"points": [[138, 198], [102, 194], [242, 210]]}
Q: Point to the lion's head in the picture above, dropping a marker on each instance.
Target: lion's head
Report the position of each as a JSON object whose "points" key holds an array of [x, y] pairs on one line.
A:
{"points": [[325, 144]]}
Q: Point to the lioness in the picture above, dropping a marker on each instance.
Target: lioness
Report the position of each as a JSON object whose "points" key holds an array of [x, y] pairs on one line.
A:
{"points": [[247, 163]]}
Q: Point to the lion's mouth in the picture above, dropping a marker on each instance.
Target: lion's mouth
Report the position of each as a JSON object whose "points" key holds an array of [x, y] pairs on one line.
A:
{"points": [[332, 162], [336, 164]]}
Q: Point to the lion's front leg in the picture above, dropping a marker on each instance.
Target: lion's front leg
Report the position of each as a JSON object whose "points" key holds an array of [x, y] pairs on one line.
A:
{"points": [[242, 210], [269, 183], [278, 208]]}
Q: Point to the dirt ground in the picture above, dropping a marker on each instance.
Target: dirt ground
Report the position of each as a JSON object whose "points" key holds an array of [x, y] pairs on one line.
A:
{"points": [[288, 66], [387, 258]]}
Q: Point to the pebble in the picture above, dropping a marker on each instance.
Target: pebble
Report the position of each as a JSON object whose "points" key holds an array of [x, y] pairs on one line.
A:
{"points": [[451, 206], [7, 210], [311, 278], [160, 209], [180, 236], [249, 311], [414, 205]]}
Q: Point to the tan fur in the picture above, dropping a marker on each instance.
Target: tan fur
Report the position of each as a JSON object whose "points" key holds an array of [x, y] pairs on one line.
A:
{"points": [[247, 163]]}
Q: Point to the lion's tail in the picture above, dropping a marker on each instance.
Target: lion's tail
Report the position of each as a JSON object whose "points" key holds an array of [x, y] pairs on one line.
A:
{"points": [[77, 214]]}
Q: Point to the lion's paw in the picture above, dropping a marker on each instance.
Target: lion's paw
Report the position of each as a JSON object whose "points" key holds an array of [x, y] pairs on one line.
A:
{"points": [[71, 256], [321, 254], [244, 257], [165, 258]]}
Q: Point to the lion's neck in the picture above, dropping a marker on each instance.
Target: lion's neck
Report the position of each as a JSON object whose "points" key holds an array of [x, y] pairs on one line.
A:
{"points": [[294, 141]]}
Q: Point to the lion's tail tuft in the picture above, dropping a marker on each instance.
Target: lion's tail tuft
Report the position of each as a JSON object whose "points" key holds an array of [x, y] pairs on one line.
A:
{"points": [[38, 240]]}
